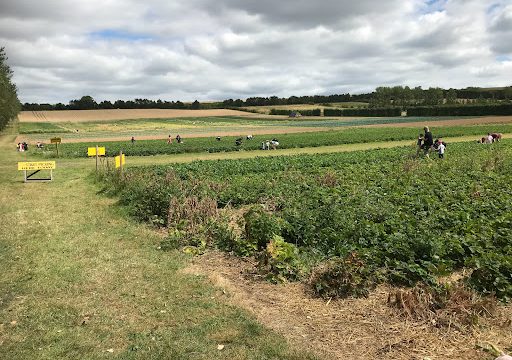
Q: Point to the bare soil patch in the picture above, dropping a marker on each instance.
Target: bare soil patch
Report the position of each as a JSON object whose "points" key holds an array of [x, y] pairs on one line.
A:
{"points": [[120, 114], [184, 134], [346, 329]]}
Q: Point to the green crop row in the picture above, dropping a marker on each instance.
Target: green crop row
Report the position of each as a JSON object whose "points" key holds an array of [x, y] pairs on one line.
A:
{"points": [[379, 215], [297, 140]]}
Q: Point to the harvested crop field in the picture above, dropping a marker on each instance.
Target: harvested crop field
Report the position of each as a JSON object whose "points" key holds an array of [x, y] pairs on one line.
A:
{"points": [[351, 328], [120, 114]]}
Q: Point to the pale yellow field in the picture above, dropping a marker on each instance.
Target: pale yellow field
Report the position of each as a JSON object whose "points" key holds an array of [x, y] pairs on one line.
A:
{"points": [[121, 114], [266, 108]]}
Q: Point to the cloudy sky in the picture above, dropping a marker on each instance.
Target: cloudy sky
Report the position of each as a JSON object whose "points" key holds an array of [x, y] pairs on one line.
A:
{"points": [[218, 49]]}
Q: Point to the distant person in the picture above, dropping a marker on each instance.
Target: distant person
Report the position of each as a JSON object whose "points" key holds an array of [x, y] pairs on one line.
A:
{"points": [[490, 139], [25, 146], [178, 139], [133, 139], [249, 137], [274, 143], [218, 138], [427, 141], [238, 141], [441, 148], [496, 136], [419, 144], [169, 139], [267, 144], [39, 145]]}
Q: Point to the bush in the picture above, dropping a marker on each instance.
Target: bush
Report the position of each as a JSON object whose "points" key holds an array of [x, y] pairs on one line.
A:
{"points": [[493, 275], [260, 227], [344, 277], [281, 261]]}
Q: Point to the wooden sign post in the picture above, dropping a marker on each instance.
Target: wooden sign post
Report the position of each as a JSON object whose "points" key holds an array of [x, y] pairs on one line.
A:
{"points": [[120, 161], [56, 141], [97, 152], [36, 166]]}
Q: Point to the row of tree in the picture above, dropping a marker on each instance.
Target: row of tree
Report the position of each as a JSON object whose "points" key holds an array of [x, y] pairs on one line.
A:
{"points": [[9, 103], [406, 97], [383, 97]]}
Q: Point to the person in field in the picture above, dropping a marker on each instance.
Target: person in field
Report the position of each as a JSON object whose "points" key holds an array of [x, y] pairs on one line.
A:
{"points": [[169, 139], [419, 144], [178, 139], [496, 136], [489, 139], [441, 148], [274, 143], [132, 139], [428, 141]]}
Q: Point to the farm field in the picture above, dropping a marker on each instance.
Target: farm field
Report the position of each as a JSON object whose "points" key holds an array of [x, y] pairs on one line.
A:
{"points": [[350, 135], [266, 109], [365, 210], [375, 212], [80, 279], [146, 129]]}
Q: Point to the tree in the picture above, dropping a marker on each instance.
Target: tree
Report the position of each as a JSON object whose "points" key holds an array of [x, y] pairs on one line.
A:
{"points": [[451, 97], [85, 103], [9, 104]]}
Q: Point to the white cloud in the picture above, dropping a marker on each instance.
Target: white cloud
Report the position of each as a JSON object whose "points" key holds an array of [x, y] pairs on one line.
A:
{"points": [[205, 49]]}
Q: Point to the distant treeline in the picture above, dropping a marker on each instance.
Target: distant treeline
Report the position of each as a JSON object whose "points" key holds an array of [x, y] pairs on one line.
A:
{"points": [[435, 110], [402, 97], [9, 104]]}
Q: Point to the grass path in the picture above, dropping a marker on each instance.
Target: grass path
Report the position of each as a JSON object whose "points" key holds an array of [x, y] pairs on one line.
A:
{"points": [[81, 280]]}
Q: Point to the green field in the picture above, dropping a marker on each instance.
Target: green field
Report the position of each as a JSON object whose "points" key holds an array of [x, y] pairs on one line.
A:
{"points": [[161, 128], [409, 220], [286, 141], [80, 279], [86, 275]]}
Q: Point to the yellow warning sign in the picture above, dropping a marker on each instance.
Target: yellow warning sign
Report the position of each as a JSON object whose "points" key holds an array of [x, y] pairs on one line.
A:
{"points": [[120, 161], [36, 165], [92, 151]]}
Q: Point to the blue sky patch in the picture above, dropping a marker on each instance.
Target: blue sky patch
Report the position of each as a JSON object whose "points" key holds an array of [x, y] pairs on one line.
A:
{"points": [[111, 34], [503, 58]]}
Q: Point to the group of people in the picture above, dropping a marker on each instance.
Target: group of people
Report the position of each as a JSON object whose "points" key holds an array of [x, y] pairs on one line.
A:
{"points": [[179, 139], [22, 146], [490, 138], [270, 144], [427, 144], [238, 141]]}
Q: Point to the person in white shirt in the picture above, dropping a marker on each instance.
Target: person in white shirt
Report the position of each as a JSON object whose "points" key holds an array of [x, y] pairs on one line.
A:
{"points": [[441, 149]]}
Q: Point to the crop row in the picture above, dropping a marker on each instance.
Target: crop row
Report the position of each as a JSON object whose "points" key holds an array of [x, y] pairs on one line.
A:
{"points": [[297, 140], [380, 215]]}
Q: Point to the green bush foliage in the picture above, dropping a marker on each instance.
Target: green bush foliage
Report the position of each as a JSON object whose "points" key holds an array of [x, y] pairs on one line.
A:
{"points": [[281, 261]]}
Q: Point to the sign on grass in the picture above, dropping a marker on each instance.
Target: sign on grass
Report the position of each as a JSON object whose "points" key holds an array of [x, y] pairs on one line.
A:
{"points": [[92, 151], [56, 140], [36, 165], [120, 160]]}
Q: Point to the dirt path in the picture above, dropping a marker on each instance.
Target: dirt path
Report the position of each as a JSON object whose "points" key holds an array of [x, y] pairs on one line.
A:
{"points": [[346, 329]]}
